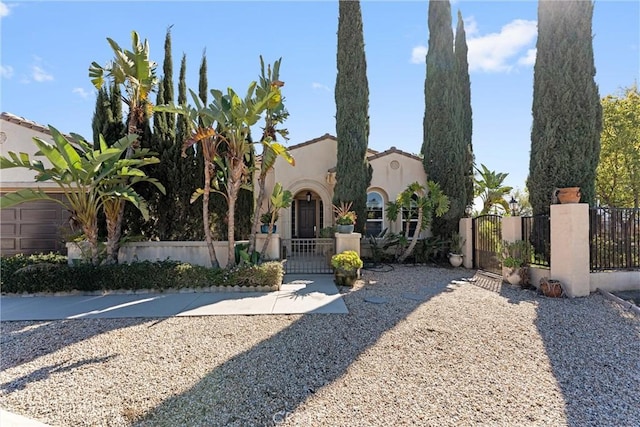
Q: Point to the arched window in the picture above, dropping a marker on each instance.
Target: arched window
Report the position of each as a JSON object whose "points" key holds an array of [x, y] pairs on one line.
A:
{"points": [[375, 214]]}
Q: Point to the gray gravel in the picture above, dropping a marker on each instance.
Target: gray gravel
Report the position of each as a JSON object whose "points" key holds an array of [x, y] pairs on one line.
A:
{"points": [[428, 350]]}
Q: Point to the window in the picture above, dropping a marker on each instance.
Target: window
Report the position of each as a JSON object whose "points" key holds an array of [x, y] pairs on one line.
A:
{"points": [[410, 215], [375, 214]]}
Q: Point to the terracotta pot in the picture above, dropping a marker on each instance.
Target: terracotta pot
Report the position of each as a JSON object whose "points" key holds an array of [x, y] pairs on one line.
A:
{"points": [[568, 194], [551, 288]]}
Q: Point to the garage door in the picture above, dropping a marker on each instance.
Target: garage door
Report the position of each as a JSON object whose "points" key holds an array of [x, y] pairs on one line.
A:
{"points": [[33, 227]]}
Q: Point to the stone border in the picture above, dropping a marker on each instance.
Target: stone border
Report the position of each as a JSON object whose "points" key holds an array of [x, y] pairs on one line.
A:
{"points": [[625, 304], [209, 289]]}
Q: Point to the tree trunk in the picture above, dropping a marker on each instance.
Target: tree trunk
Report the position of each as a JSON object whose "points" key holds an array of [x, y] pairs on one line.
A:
{"points": [[114, 211], [414, 238], [205, 213], [263, 252], [91, 233], [256, 215], [235, 180]]}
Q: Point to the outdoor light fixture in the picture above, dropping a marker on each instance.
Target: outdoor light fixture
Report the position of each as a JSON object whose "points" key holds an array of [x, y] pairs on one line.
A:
{"points": [[513, 205], [468, 211], [308, 196]]}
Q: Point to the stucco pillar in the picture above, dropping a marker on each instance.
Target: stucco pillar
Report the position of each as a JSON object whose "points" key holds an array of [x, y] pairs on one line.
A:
{"points": [[511, 228], [348, 242], [466, 230], [570, 247], [273, 250]]}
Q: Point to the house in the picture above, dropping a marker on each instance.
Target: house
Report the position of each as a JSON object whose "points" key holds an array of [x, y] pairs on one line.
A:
{"points": [[313, 179], [32, 227], [38, 226]]}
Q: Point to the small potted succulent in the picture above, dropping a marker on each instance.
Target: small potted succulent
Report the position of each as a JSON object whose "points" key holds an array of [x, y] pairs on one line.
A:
{"points": [[456, 242], [345, 217], [346, 265]]}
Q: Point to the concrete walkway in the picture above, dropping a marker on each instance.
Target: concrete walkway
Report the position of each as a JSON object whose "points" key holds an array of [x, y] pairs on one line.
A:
{"points": [[299, 294]]}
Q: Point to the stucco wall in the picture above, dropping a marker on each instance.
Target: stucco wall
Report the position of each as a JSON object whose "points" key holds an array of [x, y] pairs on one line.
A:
{"points": [[393, 171], [20, 139]]}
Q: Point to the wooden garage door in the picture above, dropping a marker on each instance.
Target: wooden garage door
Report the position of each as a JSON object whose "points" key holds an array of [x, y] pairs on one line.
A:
{"points": [[33, 227]]}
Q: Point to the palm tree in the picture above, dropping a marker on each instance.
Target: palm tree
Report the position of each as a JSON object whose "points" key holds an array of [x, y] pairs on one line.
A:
{"points": [[490, 189]]}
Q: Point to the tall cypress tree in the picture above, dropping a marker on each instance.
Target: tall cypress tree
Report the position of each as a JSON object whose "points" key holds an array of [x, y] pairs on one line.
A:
{"points": [[107, 116], [353, 172], [101, 115], [464, 84], [567, 115], [191, 170], [444, 148]]}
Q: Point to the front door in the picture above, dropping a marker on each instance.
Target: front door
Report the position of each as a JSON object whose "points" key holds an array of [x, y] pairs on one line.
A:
{"points": [[307, 219]]}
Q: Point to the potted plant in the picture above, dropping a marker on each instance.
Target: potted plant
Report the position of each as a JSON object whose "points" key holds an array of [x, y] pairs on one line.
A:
{"points": [[515, 257], [266, 219], [346, 265], [551, 287], [456, 242], [345, 217]]}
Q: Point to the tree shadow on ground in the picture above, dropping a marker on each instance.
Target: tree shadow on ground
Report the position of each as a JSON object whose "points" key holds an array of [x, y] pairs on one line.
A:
{"points": [[281, 372], [46, 371], [593, 348], [37, 339]]}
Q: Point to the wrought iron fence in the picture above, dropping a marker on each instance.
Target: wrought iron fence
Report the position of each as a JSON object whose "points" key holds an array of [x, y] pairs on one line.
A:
{"points": [[487, 238], [308, 255], [537, 231], [614, 238]]}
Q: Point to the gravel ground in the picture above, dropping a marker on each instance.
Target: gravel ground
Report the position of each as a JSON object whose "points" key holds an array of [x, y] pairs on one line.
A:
{"points": [[418, 347]]}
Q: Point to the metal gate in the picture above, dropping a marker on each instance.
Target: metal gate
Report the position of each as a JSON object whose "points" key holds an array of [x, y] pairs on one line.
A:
{"points": [[487, 238], [308, 255]]}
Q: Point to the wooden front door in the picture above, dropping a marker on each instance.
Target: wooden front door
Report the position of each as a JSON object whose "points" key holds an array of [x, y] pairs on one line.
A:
{"points": [[307, 219]]}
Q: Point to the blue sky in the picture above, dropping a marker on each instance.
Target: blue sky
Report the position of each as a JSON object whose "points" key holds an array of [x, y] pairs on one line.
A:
{"points": [[47, 47]]}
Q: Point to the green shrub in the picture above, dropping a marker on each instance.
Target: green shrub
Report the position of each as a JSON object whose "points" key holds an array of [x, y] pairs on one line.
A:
{"points": [[10, 264], [20, 275], [266, 274]]}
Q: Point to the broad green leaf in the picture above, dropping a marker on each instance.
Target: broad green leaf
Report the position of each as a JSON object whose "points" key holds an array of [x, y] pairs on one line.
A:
{"points": [[25, 195]]}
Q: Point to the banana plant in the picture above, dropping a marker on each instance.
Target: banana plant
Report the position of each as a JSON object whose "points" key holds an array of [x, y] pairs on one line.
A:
{"points": [[235, 116], [202, 132], [420, 202], [88, 177], [136, 72], [275, 114], [224, 128]]}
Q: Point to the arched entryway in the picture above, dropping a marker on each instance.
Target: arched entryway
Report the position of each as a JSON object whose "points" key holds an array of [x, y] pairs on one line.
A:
{"points": [[307, 214], [306, 251]]}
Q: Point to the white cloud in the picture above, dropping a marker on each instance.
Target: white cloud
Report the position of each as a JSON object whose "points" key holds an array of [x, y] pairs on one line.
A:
{"points": [[316, 85], [40, 75], [4, 10], [470, 27], [529, 59], [6, 71], [419, 54], [81, 92], [495, 52]]}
